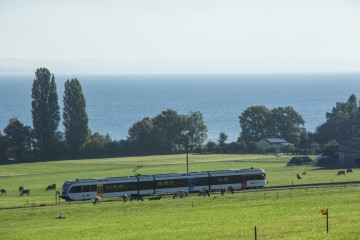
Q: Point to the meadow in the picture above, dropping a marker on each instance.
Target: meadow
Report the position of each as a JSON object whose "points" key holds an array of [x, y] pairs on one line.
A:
{"points": [[280, 214]]}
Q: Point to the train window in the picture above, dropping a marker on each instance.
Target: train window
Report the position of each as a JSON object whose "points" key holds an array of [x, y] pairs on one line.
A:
{"points": [[107, 188], [225, 180], [146, 185], [201, 181], [130, 186], [256, 177], [74, 189], [171, 183], [79, 189]]}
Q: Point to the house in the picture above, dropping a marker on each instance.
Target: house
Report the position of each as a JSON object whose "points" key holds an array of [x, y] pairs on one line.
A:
{"points": [[349, 152], [276, 143]]}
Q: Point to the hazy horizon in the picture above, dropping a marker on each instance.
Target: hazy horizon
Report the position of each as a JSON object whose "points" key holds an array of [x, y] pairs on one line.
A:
{"points": [[205, 37]]}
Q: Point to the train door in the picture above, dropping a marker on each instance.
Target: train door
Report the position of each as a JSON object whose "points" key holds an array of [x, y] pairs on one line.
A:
{"points": [[190, 184], [100, 190], [243, 181]]}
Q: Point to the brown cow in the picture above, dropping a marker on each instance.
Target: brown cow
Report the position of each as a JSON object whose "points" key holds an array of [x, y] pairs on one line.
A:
{"points": [[204, 193], [228, 189]]}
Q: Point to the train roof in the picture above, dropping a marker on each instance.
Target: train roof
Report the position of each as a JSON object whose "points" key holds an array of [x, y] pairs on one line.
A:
{"points": [[130, 178]]}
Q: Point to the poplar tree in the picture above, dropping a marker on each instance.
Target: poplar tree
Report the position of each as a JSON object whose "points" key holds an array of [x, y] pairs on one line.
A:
{"points": [[75, 118], [45, 111]]}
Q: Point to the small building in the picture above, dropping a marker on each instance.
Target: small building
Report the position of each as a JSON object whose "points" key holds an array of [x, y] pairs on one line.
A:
{"points": [[349, 152], [276, 143]]}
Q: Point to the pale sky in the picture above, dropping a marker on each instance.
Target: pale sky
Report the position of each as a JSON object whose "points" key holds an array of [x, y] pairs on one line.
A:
{"points": [[202, 36]]}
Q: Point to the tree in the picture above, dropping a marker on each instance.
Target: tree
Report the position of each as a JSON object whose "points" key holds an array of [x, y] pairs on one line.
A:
{"points": [[3, 148], [286, 123], [194, 132], [19, 139], [75, 118], [254, 123], [167, 129], [211, 146], [343, 122], [141, 136], [45, 111], [222, 138], [95, 146]]}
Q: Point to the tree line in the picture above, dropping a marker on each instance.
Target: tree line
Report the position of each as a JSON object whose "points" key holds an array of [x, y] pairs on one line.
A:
{"points": [[166, 133]]}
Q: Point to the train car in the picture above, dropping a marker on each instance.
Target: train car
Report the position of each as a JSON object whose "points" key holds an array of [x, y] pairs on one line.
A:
{"points": [[84, 189]]}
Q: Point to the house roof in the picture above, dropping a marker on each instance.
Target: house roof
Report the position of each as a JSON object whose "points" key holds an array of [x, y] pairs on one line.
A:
{"points": [[275, 140], [353, 143]]}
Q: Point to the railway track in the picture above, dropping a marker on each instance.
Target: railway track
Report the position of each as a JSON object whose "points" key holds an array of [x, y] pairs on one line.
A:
{"points": [[265, 189]]}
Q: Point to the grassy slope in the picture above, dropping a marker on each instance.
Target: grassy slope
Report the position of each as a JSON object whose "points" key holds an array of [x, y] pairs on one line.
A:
{"points": [[277, 215]]}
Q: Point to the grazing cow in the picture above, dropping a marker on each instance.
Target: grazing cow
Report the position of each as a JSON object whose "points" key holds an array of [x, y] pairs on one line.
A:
{"points": [[228, 189], [342, 172], [51, 187], [97, 200], [304, 173], [136, 197], [298, 176], [21, 188], [155, 198], [181, 194], [204, 193], [124, 198], [25, 192], [349, 170], [2, 191]]}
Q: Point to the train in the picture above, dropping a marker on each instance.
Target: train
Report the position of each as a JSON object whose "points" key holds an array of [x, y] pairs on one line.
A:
{"points": [[85, 189]]}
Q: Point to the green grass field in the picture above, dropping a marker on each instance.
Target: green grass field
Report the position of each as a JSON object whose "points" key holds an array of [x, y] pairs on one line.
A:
{"points": [[281, 214]]}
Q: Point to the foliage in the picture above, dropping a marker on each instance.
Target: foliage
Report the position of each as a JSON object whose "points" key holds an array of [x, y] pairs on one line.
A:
{"points": [[195, 130], [258, 122], [285, 122], [3, 148], [19, 139], [95, 146], [254, 123], [287, 148], [222, 138], [45, 111], [142, 137], [75, 118], [166, 132], [211, 146], [343, 122]]}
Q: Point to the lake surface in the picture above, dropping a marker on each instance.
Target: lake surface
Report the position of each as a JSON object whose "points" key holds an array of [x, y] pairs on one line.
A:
{"points": [[114, 103]]}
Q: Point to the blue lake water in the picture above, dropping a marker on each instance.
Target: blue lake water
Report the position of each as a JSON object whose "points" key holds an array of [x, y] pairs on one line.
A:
{"points": [[114, 103]]}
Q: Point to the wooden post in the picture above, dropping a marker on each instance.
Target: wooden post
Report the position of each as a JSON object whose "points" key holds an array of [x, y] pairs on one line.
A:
{"points": [[255, 232], [57, 197], [327, 220]]}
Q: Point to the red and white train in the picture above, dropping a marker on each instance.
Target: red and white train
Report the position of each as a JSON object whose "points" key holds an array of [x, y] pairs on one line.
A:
{"points": [[83, 189]]}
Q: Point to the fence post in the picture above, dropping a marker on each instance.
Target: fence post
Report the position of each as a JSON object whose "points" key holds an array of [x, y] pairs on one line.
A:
{"points": [[57, 197], [327, 220], [255, 232]]}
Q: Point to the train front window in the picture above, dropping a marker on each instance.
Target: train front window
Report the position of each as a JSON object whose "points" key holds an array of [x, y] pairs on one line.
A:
{"points": [[66, 187]]}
